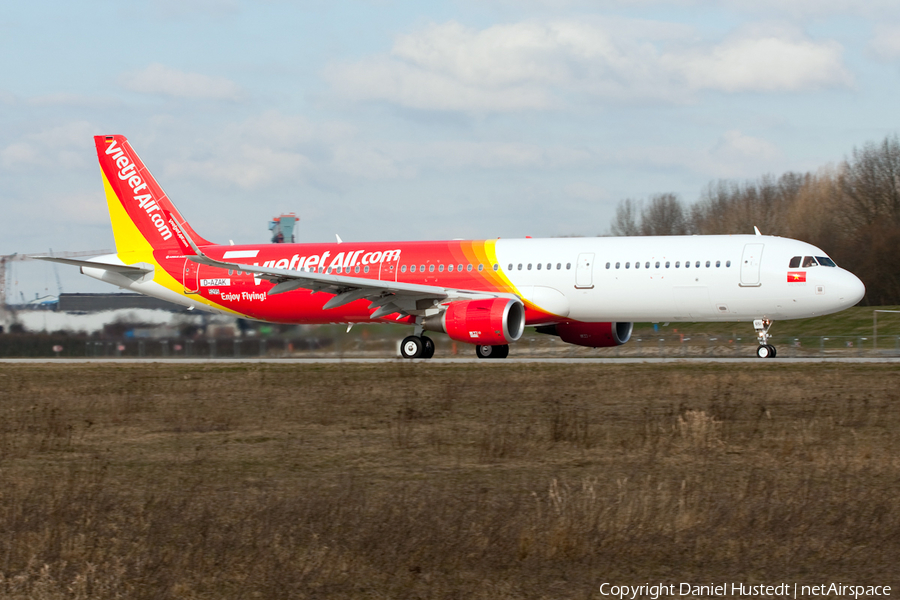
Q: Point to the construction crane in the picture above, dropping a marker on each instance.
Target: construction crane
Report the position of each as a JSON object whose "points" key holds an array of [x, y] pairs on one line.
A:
{"points": [[8, 258]]}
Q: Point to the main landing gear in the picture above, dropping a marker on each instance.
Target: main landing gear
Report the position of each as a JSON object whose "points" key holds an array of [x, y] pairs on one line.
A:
{"points": [[417, 346], [485, 351], [765, 349], [421, 346]]}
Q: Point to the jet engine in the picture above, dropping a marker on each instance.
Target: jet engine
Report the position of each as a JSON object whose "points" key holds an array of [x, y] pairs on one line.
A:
{"points": [[492, 322], [593, 335]]}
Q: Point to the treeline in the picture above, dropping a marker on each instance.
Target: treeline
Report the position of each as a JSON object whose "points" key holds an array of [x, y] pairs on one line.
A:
{"points": [[851, 211]]}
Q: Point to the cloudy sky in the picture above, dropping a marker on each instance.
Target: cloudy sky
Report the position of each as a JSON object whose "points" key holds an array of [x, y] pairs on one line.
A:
{"points": [[384, 119]]}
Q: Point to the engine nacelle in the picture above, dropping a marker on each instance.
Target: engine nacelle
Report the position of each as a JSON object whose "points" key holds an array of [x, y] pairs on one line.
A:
{"points": [[593, 335], [493, 322]]}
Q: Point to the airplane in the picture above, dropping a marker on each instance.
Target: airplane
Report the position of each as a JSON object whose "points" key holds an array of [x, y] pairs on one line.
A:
{"points": [[586, 291]]}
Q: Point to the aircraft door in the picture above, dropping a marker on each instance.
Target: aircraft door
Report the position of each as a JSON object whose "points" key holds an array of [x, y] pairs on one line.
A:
{"points": [[750, 263], [389, 266], [191, 277], [584, 271]]}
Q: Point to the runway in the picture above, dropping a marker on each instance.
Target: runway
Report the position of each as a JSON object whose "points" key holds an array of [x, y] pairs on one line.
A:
{"points": [[456, 361]]}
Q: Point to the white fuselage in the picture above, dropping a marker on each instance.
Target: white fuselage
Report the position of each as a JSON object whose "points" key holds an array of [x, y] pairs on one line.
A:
{"points": [[739, 278]]}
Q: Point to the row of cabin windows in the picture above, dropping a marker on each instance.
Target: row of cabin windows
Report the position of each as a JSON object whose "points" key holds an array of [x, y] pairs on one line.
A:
{"points": [[668, 264], [440, 268], [806, 262], [540, 266]]}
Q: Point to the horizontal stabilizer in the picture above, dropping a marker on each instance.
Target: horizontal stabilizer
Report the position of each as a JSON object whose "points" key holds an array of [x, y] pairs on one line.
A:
{"points": [[125, 269]]}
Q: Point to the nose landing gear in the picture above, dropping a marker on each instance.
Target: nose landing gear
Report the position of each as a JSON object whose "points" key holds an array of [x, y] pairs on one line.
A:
{"points": [[765, 349]]}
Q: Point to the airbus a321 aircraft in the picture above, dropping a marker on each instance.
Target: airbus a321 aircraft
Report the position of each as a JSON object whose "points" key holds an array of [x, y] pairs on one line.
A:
{"points": [[587, 291]]}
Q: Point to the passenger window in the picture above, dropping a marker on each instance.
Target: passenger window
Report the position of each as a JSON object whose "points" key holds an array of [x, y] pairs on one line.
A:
{"points": [[357, 269], [657, 264], [718, 263], [539, 266], [607, 265], [637, 265], [431, 268], [707, 264], [412, 269], [617, 265], [549, 266], [481, 267], [421, 268], [450, 268], [529, 266], [459, 268], [510, 267], [795, 262], [366, 269], [677, 264], [809, 261], [496, 266], [667, 264], [558, 266], [628, 265], [687, 264], [229, 271], [440, 268], [568, 266], [727, 264], [825, 261], [697, 264], [468, 267]]}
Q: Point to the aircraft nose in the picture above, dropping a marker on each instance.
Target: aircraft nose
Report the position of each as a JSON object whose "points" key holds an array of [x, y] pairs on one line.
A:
{"points": [[852, 289]]}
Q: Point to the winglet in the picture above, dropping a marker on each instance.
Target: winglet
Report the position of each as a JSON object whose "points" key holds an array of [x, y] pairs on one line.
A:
{"points": [[756, 230]]}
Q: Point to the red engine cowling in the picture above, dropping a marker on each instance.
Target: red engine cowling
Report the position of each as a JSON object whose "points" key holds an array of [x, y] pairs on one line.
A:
{"points": [[494, 321], [594, 335]]}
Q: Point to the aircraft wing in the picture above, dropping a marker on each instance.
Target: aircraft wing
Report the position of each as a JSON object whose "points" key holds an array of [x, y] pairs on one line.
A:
{"points": [[387, 297]]}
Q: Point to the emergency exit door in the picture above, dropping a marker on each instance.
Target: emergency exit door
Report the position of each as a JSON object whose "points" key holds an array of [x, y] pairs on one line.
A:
{"points": [[584, 271]]}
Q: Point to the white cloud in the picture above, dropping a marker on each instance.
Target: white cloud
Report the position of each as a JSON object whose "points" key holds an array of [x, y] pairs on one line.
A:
{"points": [[586, 191], [733, 155], [67, 146], [165, 81], [767, 64], [802, 9], [531, 65], [886, 42], [272, 149]]}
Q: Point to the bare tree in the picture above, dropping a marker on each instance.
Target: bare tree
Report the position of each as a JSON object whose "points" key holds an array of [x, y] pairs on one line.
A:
{"points": [[627, 217], [871, 183], [663, 215]]}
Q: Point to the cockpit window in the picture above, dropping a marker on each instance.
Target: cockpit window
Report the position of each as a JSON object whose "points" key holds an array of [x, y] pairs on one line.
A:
{"points": [[825, 261], [809, 261], [795, 262]]}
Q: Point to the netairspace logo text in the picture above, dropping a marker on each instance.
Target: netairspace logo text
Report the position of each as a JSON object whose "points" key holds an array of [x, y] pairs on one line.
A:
{"points": [[712, 590]]}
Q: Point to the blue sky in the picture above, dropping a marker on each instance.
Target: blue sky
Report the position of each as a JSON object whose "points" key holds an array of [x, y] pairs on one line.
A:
{"points": [[408, 120]]}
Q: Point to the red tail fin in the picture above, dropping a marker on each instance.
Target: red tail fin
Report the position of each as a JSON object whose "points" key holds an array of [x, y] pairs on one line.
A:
{"points": [[130, 186]]}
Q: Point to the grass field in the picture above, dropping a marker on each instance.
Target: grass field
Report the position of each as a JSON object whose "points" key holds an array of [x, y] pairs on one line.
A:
{"points": [[403, 480]]}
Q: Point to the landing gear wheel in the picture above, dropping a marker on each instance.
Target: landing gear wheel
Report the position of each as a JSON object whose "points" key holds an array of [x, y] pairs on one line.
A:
{"points": [[427, 347], [766, 351], [411, 347], [485, 351]]}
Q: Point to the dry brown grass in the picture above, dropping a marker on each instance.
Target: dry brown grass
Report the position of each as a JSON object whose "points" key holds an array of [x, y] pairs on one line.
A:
{"points": [[442, 481]]}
